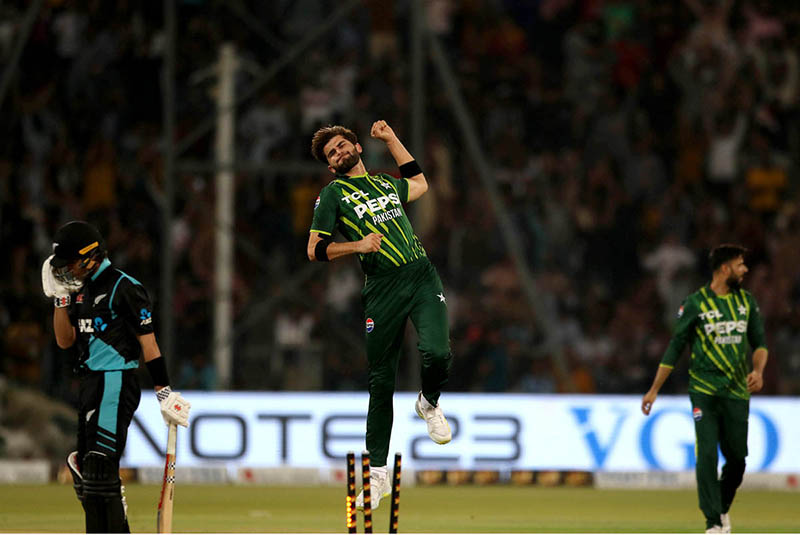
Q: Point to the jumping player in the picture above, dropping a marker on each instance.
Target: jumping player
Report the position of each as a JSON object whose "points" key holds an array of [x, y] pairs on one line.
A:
{"points": [[721, 322], [107, 313], [401, 282]]}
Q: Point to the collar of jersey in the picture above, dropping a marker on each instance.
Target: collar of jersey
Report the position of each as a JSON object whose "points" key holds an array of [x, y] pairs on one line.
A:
{"points": [[357, 176], [723, 296], [103, 265]]}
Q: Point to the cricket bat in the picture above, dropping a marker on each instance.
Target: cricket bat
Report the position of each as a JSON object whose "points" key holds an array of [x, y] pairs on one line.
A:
{"points": [[164, 522]]}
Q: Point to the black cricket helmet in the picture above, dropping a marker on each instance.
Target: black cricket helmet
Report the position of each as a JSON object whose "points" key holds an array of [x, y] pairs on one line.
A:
{"points": [[76, 241]]}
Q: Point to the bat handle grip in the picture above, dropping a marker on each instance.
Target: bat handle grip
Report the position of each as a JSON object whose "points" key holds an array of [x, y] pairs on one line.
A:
{"points": [[172, 438]]}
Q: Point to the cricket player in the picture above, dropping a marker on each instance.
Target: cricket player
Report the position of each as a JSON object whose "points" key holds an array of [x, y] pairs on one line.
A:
{"points": [[721, 322], [107, 313], [401, 282]]}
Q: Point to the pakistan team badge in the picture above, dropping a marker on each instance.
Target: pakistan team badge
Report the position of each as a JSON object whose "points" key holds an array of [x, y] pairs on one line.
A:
{"points": [[370, 325]]}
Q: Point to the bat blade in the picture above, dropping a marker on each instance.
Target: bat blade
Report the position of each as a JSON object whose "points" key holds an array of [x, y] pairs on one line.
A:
{"points": [[164, 517]]}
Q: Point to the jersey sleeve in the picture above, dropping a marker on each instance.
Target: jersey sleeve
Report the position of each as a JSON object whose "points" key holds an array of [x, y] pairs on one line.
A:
{"points": [[755, 325], [687, 316], [325, 212], [133, 304], [400, 186]]}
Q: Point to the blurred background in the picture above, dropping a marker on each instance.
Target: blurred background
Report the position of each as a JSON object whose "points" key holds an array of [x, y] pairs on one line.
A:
{"points": [[583, 157]]}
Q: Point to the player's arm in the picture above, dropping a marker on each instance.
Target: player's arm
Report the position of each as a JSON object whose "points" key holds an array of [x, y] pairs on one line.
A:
{"points": [[174, 408], [65, 332], [755, 379], [650, 397], [321, 249], [409, 169], [687, 315], [134, 305], [151, 352], [757, 339], [61, 295]]}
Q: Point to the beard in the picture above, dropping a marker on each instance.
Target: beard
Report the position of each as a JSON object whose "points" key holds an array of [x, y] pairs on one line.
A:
{"points": [[348, 163], [734, 282]]}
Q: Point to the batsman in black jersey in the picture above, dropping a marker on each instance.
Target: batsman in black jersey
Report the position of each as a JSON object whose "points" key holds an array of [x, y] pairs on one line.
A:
{"points": [[107, 314], [401, 283]]}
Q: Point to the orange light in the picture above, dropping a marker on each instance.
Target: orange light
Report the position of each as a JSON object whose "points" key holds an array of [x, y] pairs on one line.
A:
{"points": [[350, 512]]}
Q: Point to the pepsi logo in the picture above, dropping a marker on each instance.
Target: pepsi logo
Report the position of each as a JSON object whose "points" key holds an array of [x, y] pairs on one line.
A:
{"points": [[370, 325], [697, 414]]}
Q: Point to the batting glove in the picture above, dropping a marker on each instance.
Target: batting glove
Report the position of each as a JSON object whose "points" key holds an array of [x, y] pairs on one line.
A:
{"points": [[53, 288], [174, 409]]}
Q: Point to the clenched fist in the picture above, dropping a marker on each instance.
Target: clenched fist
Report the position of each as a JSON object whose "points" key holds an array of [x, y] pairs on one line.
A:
{"points": [[381, 130], [370, 244], [647, 402]]}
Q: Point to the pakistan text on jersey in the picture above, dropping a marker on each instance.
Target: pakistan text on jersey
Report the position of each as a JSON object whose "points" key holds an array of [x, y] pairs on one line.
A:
{"points": [[722, 340], [387, 215]]}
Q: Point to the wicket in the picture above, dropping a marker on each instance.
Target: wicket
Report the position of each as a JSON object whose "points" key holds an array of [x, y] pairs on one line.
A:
{"points": [[367, 491], [351, 520], [351, 492], [394, 515]]}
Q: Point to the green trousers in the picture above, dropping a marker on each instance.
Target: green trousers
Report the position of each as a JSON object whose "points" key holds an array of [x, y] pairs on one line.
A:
{"points": [[719, 423], [413, 291]]}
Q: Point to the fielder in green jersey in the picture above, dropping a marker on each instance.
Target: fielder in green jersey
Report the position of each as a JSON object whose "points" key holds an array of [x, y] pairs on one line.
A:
{"points": [[721, 323], [401, 283]]}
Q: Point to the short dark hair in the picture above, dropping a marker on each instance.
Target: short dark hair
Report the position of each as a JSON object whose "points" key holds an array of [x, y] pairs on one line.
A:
{"points": [[724, 253], [325, 134]]}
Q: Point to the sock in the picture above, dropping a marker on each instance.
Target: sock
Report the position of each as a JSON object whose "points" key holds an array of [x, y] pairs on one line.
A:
{"points": [[379, 470], [426, 404]]}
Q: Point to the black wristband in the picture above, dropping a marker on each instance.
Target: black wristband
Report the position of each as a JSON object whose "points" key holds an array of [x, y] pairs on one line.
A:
{"points": [[158, 371], [321, 250], [409, 169]]}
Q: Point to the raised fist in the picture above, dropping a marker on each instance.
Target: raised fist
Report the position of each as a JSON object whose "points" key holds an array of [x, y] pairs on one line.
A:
{"points": [[381, 130]]}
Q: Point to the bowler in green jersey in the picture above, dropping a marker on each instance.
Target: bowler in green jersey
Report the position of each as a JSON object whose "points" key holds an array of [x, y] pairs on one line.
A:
{"points": [[721, 323], [401, 283]]}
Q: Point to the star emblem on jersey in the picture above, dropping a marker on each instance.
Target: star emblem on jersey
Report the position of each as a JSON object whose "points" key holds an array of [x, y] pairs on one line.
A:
{"points": [[742, 310], [441, 298], [386, 185]]}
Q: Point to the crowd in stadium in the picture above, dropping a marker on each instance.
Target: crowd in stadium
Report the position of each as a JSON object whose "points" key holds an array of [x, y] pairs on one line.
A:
{"points": [[627, 139]]}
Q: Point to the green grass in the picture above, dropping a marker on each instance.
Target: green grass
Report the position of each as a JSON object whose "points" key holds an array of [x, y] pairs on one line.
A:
{"points": [[53, 508]]}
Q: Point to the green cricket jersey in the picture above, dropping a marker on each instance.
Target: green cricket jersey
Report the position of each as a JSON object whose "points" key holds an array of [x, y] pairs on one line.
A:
{"points": [[359, 205], [721, 331]]}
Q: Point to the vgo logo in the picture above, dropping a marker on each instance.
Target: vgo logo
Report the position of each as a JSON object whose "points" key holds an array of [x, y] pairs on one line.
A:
{"points": [[666, 439]]}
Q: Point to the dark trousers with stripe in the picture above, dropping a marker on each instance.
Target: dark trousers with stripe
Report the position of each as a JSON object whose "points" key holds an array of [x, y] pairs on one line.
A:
{"points": [[106, 405], [721, 424], [413, 291]]}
